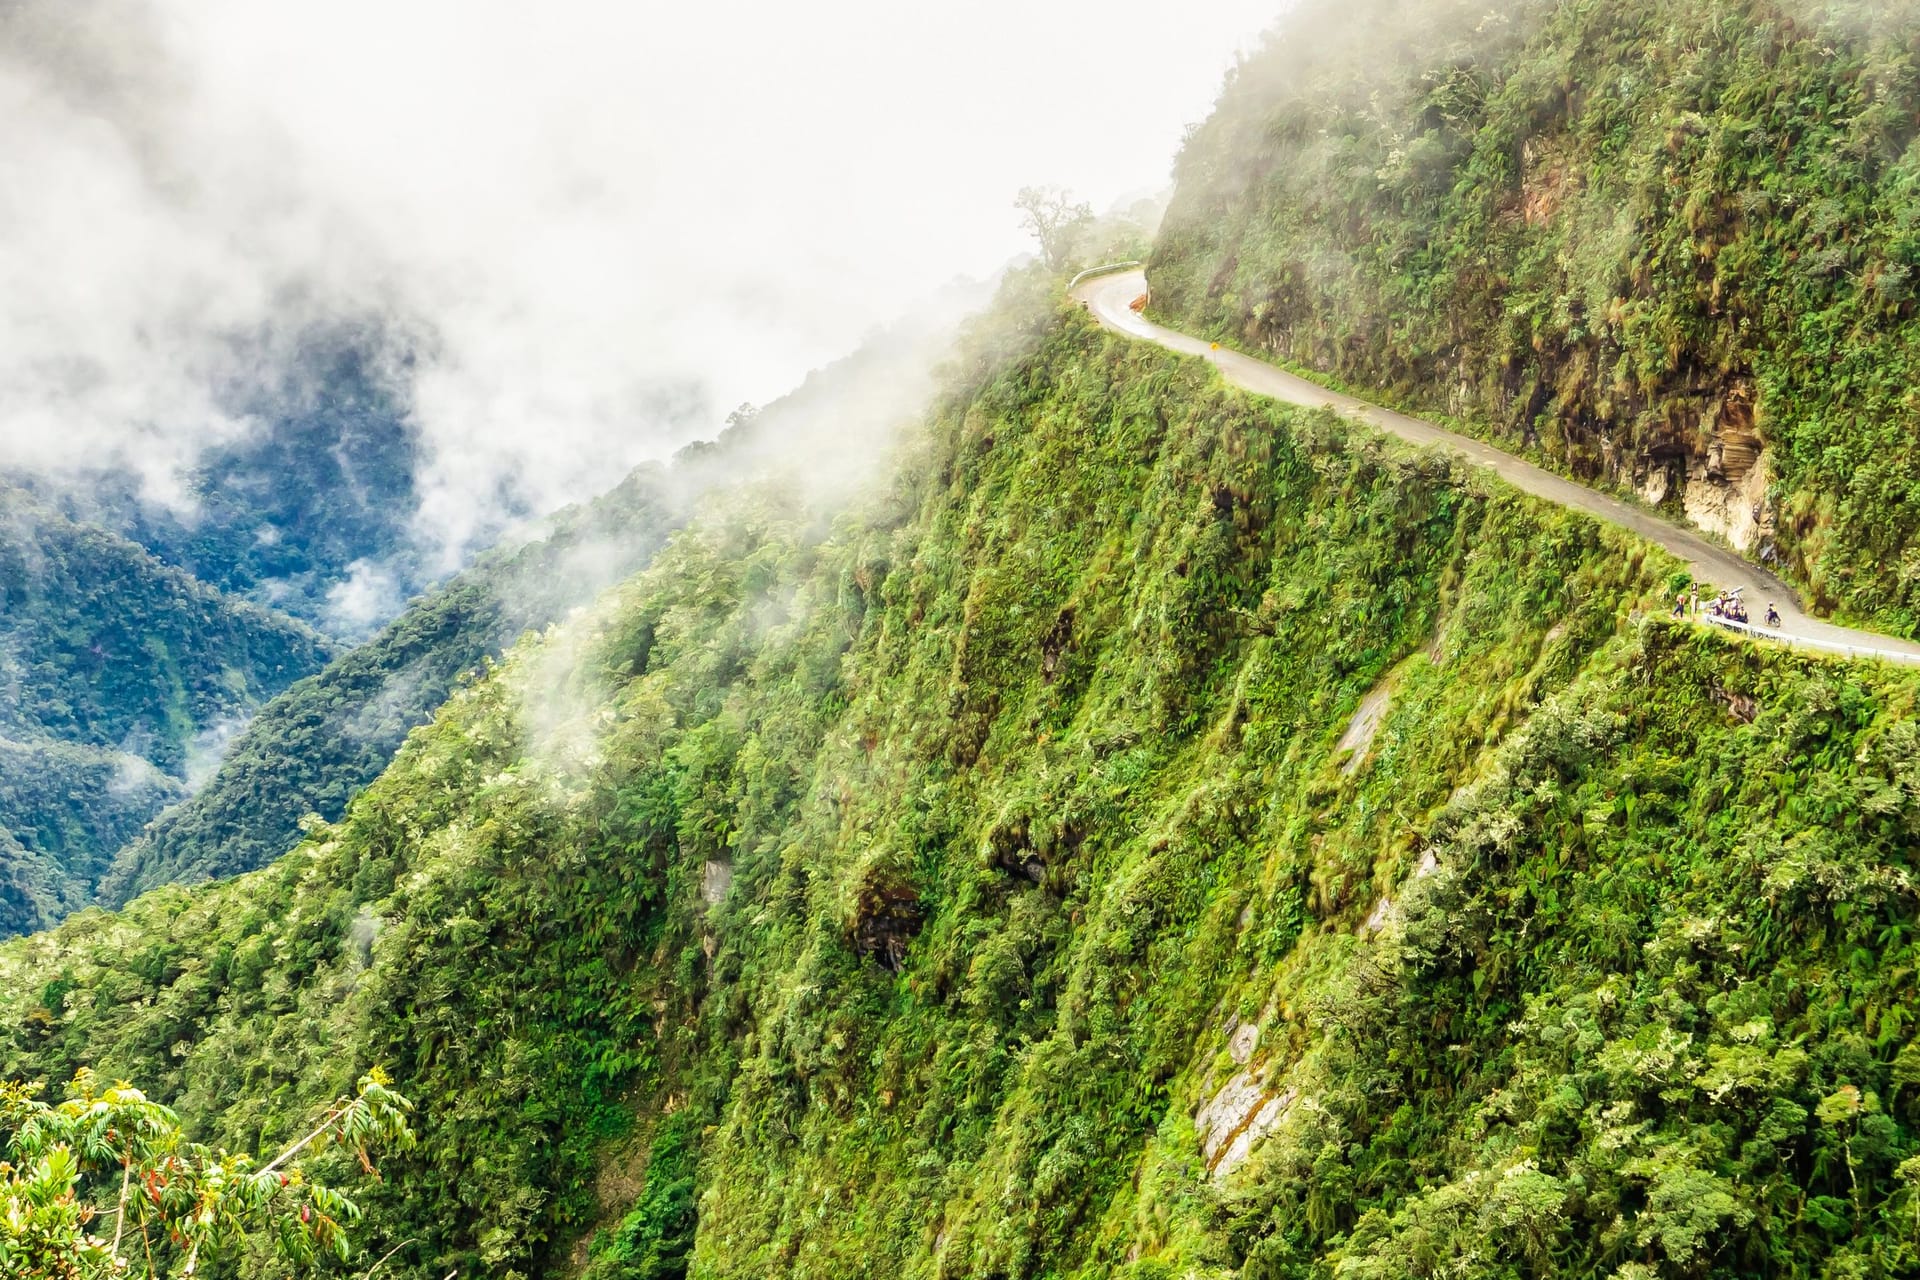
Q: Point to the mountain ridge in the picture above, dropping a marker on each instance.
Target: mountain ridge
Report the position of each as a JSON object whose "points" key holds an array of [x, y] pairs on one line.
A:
{"points": [[1110, 824], [947, 847], [1661, 247]]}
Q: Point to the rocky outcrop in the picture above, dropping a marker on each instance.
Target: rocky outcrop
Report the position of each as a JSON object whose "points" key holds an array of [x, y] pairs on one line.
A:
{"points": [[1358, 739], [887, 915], [1242, 1043], [1547, 178], [1235, 1120], [715, 879], [1028, 845], [1246, 1109], [1719, 474]]}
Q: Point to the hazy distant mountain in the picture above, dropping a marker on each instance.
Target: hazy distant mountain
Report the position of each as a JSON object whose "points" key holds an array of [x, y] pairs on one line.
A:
{"points": [[121, 679], [309, 512]]}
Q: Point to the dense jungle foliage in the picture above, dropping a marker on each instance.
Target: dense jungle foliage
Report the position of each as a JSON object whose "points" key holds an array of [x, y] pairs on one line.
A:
{"points": [[66, 809], [119, 678], [314, 745], [104, 1185], [885, 893], [103, 645], [1637, 238]]}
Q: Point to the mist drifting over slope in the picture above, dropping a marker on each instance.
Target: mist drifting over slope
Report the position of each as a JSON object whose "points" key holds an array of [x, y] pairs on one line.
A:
{"points": [[571, 237]]}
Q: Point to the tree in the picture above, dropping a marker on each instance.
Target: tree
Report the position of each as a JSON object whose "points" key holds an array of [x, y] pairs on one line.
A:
{"points": [[105, 1185], [1053, 218]]}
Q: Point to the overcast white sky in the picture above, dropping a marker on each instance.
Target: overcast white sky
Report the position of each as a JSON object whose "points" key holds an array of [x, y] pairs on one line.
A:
{"points": [[576, 208]]}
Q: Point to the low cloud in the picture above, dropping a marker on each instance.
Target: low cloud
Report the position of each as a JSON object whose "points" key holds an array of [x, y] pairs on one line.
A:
{"points": [[370, 594], [207, 748], [578, 233]]}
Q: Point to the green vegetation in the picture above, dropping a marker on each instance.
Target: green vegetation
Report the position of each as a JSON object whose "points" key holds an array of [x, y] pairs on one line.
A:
{"points": [[1639, 240], [102, 645], [65, 808], [314, 746], [1148, 832], [323, 481], [885, 895], [111, 1160], [1058, 223], [118, 675]]}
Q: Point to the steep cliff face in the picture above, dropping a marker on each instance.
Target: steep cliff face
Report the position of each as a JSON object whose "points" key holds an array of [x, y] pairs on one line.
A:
{"points": [[1154, 834], [1663, 246]]}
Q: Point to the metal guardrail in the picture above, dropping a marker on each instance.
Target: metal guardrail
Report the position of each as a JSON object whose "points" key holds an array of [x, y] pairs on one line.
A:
{"points": [[1091, 272], [1831, 646]]}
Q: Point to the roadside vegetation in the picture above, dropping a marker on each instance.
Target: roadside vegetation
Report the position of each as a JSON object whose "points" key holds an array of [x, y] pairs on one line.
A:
{"points": [[883, 894], [1138, 830], [1639, 241]]}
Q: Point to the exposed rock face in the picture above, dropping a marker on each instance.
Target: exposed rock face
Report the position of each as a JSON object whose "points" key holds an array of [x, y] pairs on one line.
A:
{"points": [[1028, 846], [1262, 1122], [715, 879], [887, 917], [1719, 473], [1547, 178], [1010, 845], [1736, 509], [1358, 738], [1236, 1119], [1743, 707], [1223, 1115], [1055, 644]]}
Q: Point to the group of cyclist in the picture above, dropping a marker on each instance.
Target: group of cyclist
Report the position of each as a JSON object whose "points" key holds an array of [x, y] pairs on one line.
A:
{"points": [[1727, 606]]}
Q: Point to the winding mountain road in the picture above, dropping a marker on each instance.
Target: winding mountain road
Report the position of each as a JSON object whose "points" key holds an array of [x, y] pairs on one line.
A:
{"points": [[1109, 298]]}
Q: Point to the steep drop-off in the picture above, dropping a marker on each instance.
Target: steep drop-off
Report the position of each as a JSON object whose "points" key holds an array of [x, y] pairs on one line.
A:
{"points": [[1666, 246], [1157, 834]]}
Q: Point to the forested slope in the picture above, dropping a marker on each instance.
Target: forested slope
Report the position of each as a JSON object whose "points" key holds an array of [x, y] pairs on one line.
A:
{"points": [[103, 645], [886, 893], [315, 745], [120, 677], [321, 486], [1666, 245], [66, 809]]}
